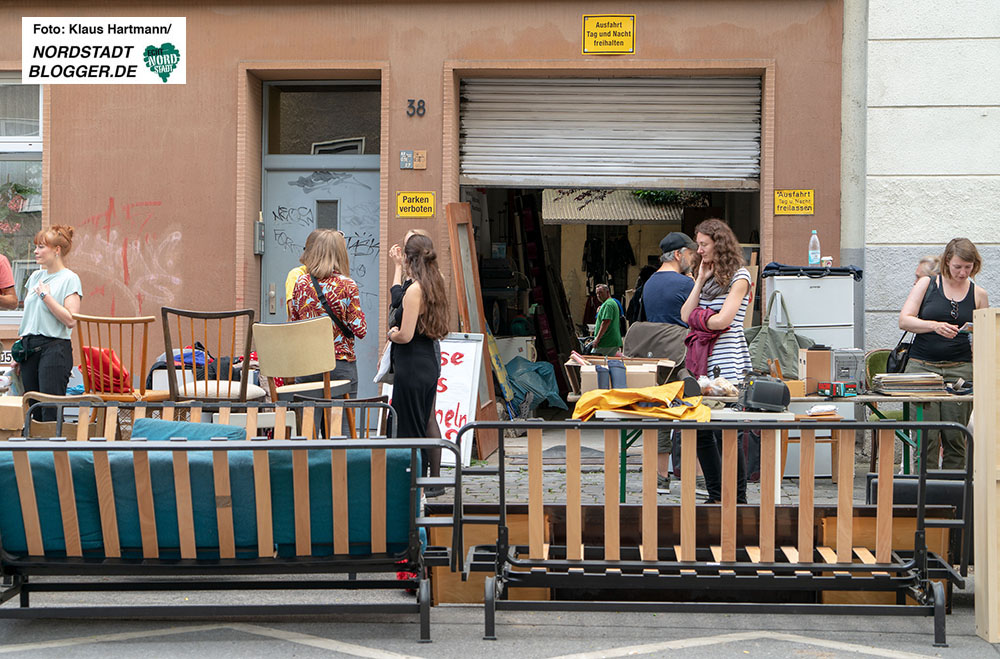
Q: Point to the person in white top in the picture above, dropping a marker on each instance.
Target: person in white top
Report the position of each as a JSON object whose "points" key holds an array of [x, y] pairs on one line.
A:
{"points": [[52, 296]]}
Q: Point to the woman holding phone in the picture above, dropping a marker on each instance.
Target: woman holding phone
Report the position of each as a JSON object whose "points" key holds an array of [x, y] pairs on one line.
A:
{"points": [[935, 311]]}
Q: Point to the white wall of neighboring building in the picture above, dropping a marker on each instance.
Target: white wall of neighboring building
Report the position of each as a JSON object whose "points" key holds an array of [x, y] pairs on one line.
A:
{"points": [[932, 144]]}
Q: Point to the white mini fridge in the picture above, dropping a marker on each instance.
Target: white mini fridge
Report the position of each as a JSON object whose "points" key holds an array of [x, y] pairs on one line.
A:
{"points": [[821, 308]]}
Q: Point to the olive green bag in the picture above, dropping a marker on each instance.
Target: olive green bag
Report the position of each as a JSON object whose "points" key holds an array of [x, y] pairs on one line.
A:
{"points": [[766, 342]]}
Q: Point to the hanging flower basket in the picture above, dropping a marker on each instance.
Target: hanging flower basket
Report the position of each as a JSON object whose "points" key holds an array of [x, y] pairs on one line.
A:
{"points": [[16, 203]]}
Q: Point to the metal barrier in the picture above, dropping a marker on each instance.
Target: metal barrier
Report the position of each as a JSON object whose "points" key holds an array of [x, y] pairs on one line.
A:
{"points": [[695, 564]]}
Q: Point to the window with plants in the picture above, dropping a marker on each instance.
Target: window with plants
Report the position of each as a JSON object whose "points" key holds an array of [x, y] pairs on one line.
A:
{"points": [[20, 177]]}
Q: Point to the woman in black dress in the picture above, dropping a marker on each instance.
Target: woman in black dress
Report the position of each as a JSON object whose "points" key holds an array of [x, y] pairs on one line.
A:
{"points": [[420, 321]]}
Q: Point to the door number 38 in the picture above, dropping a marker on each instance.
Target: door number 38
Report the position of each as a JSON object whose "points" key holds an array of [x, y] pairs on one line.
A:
{"points": [[415, 107]]}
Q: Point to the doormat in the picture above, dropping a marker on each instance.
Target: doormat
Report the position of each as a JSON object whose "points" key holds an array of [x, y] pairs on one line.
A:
{"points": [[556, 455]]}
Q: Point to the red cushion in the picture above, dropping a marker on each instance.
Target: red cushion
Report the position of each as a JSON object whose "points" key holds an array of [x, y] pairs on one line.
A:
{"points": [[105, 372]]}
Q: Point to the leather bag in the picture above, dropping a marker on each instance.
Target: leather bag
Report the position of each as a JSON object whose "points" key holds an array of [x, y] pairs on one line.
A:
{"points": [[899, 356], [766, 342]]}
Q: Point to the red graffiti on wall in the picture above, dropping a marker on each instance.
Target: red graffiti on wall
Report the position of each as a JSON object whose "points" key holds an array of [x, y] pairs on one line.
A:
{"points": [[132, 261]]}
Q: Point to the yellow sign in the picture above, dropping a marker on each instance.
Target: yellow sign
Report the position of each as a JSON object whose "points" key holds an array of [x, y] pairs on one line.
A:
{"points": [[608, 34], [414, 204], [794, 202]]}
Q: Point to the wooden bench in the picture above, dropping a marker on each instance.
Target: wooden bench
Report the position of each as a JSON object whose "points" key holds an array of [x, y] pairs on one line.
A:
{"points": [[214, 507], [738, 563]]}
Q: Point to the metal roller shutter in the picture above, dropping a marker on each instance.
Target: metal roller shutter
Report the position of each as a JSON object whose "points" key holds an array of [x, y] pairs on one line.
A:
{"points": [[618, 132]]}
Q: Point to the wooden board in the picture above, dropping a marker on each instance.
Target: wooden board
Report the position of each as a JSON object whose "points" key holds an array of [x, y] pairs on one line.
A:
{"points": [[768, 446], [67, 502], [574, 524], [689, 455], [883, 533], [223, 503], [448, 586], [986, 462], [612, 529], [341, 526], [807, 470], [729, 471], [262, 491], [29, 505], [106, 504], [185, 511], [378, 500], [471, 313], [864, 531], [536, 503], [650, 538], [144, 501], [845, 499], [300, 494]]}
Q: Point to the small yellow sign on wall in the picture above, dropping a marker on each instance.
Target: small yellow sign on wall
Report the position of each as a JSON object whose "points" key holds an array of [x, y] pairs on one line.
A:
{"points": [[608, 34], [414, 204], [794, 202]]}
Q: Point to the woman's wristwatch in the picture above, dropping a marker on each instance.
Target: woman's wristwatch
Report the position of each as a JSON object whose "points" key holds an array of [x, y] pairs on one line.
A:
{"points": [[42, 295]]}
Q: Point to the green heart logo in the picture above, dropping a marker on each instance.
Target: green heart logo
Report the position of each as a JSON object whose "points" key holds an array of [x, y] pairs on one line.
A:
{"points": [[162, 60]]}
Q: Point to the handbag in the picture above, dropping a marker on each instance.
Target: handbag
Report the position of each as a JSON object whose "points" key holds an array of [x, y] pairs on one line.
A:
{"points": [[899, 356], [384, 373], [19, 353], [341, 325], [766, 342]]}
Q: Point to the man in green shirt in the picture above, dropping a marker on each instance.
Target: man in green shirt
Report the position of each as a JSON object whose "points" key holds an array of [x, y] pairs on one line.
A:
{"points": [[608, 336]]}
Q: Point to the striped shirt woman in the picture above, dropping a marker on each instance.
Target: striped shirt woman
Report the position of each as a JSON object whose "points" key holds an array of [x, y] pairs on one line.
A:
{"points": [[730, 353]]}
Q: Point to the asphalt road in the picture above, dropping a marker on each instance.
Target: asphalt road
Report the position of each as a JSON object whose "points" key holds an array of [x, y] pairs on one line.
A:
{"points": [[457, 633]]}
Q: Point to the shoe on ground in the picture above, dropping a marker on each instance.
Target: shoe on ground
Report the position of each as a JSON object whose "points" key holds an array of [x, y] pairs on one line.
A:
{"points": [[433, 491], [663, 484]]}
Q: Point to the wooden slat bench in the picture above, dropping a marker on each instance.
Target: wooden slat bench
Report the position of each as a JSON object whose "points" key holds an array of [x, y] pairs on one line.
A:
{"points": [[213, 501], [737, 563]]}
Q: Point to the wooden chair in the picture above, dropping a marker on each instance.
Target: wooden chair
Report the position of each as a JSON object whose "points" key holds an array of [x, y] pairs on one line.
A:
{"points": [[69, 429], [299, 349], [216, 332], [113, 358]]}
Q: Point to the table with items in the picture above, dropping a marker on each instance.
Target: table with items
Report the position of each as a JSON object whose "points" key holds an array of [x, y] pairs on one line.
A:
{"points": [[912, 410]]}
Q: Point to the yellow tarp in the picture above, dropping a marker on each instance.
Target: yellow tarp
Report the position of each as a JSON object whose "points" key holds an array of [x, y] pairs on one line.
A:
{"points": [[662, 402]]}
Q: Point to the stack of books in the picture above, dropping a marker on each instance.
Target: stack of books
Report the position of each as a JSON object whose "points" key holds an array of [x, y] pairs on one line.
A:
{"points": [[909, 383]]}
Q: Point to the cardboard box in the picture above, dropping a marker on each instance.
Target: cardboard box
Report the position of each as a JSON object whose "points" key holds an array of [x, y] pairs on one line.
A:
{"points": [[639, 372], [796, 388], [839, 365], [814, 367]]}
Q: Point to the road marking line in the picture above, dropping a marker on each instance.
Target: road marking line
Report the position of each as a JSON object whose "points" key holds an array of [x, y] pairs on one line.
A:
{"points": [[105, 638], [720, 639], [319, 642]]}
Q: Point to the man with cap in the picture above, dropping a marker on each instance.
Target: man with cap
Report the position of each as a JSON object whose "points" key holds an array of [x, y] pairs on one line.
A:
{"points": [[667, 289], [662, 298]]}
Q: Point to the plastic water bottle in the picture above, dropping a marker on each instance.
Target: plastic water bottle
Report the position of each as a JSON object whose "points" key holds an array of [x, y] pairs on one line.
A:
{"points": [[814, 250]]}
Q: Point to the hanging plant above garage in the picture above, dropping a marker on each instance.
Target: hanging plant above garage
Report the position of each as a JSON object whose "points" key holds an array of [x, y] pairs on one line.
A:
{"points": [[674, 197]]}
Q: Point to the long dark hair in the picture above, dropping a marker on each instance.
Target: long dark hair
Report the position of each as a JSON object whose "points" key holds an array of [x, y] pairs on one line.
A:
{"points": [[728, 253], [421, 263]]}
